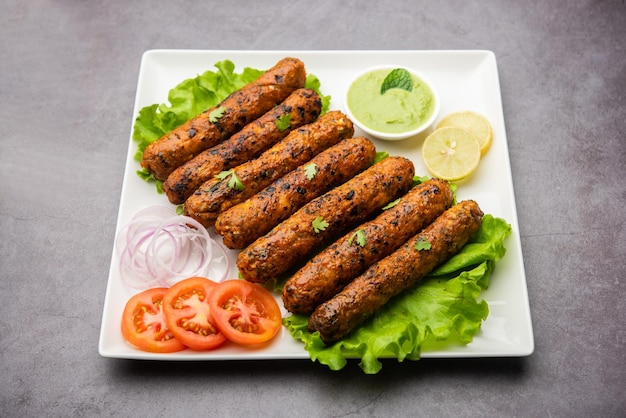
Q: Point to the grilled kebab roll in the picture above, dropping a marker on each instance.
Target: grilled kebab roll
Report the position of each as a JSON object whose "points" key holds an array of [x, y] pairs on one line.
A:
{"points": [[240, 108], [324, 218], [328, 272], [247, 221], [395, 273], [303, 106], [302, 144]]}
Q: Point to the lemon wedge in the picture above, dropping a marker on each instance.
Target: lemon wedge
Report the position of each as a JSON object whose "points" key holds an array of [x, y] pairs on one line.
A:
{"points": [[475, 122], [451, 153]]}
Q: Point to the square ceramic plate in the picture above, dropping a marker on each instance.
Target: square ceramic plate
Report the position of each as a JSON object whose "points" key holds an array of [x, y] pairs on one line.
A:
{"points": [[466, 80]]}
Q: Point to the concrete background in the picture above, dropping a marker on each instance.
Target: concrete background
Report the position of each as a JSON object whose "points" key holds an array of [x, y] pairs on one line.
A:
{"points": [[68, 73]]}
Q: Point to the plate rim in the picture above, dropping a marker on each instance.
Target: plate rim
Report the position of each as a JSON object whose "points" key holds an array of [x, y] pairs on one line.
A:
{"points": [[488, 55]]}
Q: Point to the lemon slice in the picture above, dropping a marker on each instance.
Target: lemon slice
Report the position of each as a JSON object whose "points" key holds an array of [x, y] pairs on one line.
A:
{"points": [[475, 122], [451, 153]]}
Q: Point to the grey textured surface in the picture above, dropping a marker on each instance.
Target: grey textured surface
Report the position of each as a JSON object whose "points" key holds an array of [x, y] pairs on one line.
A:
{"points": [[68, 72]]}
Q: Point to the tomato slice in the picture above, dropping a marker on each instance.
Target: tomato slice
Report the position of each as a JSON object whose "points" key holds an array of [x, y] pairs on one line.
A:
{"points": [[189, 316], [245, 312], [144, 325]]}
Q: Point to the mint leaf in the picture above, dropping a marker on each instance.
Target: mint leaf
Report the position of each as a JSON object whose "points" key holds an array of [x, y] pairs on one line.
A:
{"points": [[397, 79], [310, 170]]}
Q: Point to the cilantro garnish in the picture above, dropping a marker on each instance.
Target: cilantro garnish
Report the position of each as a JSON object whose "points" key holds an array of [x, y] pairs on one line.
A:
{"points": [[391, 204], [233, 182], [310, 170], [216, 114], [319, 224], [360, 237], [283, 122], [398, 78], [422, 244]]}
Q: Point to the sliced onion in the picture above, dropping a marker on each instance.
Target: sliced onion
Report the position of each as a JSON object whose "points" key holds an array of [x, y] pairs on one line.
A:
{"points": [[158, 248]]}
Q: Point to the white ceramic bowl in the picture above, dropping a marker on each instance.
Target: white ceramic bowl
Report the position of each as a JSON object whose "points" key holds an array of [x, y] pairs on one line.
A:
{"points": [[399, 135]]}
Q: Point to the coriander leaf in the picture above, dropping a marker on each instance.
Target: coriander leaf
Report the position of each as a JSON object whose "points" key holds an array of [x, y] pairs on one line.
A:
{"points": [[361, 239], [223, 174], [233, 182], [398, 78], [216, 114], [283, 122], [319, 224], [310, 171], [422, 244], [391, 204]]}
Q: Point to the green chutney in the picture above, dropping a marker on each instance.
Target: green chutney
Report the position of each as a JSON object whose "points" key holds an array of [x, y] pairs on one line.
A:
{"points": [[395, 111]]}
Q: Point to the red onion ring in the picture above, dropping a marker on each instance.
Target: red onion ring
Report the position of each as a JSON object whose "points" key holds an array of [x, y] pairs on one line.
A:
{"points": [[158, 248]]}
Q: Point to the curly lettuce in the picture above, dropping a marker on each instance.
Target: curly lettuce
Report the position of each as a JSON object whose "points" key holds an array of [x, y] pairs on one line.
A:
{"points": [[444, 307]]}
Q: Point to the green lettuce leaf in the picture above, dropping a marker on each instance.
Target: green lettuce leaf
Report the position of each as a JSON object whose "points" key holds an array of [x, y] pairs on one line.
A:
{"points": [[445, 307], [313, 83]]}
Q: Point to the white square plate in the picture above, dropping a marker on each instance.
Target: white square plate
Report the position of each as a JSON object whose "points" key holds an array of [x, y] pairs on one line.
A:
{"points": [[466, 80]]}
